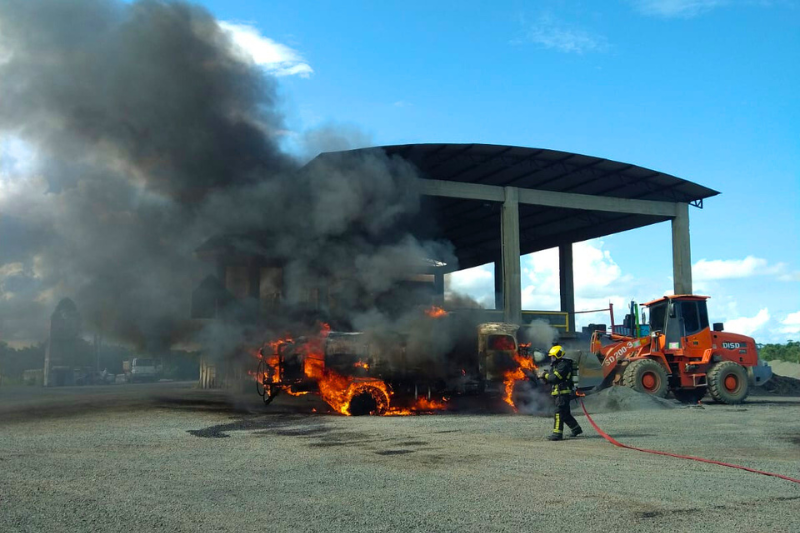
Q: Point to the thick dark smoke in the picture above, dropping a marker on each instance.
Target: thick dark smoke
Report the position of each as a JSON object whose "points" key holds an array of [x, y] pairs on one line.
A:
{"points": [[151, 88], [151, 135]]}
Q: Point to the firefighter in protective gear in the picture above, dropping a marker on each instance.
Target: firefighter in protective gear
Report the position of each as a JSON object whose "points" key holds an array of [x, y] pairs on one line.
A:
{"points": [[560, 377]]}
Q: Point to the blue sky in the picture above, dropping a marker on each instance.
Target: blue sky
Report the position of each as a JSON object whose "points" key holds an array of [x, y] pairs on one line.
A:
{"points": [[702, 89]]}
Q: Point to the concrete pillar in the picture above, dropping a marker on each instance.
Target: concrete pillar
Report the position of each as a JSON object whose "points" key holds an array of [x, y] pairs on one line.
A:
{"points": [[566, 284], [681, 251], [498, 284], [509, 229], [438, 289]]}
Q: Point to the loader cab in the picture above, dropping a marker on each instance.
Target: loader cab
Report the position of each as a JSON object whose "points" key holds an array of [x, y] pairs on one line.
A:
{"points": [[678, 317]]}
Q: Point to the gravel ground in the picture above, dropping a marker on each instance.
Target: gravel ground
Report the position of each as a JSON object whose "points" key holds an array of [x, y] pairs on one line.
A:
{"points": [[167, 457]]}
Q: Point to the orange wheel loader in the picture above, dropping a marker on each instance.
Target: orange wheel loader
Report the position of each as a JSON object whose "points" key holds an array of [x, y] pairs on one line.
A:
{"points": [[682, 354]]}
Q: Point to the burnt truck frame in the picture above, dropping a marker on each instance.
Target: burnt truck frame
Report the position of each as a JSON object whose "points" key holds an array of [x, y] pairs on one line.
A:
{"points": [[478, 364]]}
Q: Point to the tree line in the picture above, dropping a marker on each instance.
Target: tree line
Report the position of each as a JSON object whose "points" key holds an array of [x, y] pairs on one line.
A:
{"points": [[780, 352]]}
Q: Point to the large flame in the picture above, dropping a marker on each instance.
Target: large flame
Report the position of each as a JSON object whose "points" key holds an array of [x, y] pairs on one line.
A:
{"points": [[337, 390], [511, 377]]}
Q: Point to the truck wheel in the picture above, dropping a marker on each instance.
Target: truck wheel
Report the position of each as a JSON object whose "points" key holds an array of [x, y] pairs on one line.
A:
{"points": [[646, 375], [368, 400], [260, 388], [270, 391], [689, 395], [727, 382]]}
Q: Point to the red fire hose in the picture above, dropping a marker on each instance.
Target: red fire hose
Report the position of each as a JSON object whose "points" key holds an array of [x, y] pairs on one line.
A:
{"points": [[615, 442]]}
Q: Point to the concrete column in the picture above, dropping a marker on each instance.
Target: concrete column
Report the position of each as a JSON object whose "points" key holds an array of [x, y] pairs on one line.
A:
{"points": [[438, 289], [681, 251], [566, 284], [498, 283], [509, 229]]}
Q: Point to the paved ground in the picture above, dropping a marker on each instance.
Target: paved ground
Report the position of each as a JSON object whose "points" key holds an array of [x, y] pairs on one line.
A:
{"points": [[166, 457]]}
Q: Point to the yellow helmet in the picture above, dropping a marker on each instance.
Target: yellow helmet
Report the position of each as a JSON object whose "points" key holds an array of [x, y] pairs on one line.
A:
{"points": [[557, 351]]}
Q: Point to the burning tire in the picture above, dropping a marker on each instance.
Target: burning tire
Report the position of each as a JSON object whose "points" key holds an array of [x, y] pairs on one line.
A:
{"points": [[264, 388], [727, 382], [368, 401], [270, 391], [646, 375]]}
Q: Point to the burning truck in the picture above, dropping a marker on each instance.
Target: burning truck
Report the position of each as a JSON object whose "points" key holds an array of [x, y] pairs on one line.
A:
{"points": [[390, 373]]}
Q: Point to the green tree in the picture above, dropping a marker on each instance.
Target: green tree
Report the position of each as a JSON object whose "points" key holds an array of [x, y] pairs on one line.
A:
{"points": [[781, 352]]}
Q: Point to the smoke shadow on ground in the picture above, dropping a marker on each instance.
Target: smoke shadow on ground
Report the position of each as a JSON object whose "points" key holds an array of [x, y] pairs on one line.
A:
{"points": [[315, 434], [203, 405], [250, 424]]}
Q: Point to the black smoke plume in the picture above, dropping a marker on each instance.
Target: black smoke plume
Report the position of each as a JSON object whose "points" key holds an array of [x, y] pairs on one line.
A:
{"points": [[153, 135]]}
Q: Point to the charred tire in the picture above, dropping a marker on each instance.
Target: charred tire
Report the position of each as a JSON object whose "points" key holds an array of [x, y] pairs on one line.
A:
{"points": [[689, 395], [646, 375], [260, 389], [727, 382], [368, 401]]}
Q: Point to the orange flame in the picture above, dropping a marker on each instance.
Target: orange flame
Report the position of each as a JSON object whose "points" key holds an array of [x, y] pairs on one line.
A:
{"points": [[435, 312], [511, 377], [337, 390]]}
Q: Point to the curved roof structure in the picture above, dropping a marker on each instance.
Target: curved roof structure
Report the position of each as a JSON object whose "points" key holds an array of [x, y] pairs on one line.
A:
{"points": [[473, 225]]}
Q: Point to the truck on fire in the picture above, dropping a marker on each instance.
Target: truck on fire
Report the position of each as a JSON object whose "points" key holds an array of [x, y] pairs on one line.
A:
{"points": [[358, 373]]}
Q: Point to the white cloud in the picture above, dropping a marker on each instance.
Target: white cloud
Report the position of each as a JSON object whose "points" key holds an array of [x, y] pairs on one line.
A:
{"points": [[594, 270], [16, 156], [790, 276], [477, 283], [748, 325], [595, 274], [17, 165], [791, 324], [735, 268], [540, 280], [555, 35], [598, 281], [276, 58], [9, 270], [676, 8]]}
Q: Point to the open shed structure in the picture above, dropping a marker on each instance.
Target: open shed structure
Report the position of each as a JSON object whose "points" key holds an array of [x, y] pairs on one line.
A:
{"points": [[495, 203]]}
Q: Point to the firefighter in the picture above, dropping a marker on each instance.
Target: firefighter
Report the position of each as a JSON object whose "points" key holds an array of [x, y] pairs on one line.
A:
{"points": [[560, 377]]}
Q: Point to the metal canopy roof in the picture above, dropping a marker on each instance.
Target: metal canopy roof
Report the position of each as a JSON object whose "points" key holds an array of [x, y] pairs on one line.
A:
{"points": [[474, 226]]}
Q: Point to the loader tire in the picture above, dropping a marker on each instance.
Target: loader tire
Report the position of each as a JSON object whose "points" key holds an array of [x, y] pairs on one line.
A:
{"points": [[648, 376], [727, 382]]}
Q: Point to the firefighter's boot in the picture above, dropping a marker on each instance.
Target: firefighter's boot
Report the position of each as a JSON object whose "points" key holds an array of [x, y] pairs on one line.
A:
{"points": [[577, 431], [555, 436]]}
